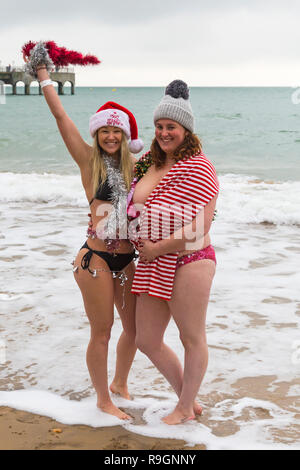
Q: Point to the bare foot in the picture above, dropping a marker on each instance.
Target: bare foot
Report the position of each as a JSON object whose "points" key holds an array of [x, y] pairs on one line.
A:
{"points": [[120, 390], [113, 410], [177, 417], [198, 409]]}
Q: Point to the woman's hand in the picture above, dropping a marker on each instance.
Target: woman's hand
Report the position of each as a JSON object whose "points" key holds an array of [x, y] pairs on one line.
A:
{"points": [[148, 251], [41, 70]]}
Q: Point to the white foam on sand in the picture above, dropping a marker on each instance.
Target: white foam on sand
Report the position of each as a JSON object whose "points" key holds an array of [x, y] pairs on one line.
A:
{"points": [[252, 321], [255, 434], [63, 410]]}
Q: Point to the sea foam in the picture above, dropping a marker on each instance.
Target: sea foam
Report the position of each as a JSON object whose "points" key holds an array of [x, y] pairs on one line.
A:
{"points": [[253, 434], [252, 319], [242, 199]]}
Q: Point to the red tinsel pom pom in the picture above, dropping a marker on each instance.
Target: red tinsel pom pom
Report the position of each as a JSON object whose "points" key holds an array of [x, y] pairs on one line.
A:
{"points": [[61, 56]]}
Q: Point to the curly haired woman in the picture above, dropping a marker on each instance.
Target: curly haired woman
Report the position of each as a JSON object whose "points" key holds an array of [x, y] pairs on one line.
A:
{"points": [[171, 204]]}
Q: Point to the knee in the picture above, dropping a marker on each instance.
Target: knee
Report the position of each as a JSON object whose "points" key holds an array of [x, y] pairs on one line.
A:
{"points": [[130, 334], [140, 343], [145, 344], [193, 342], [100, 338]]}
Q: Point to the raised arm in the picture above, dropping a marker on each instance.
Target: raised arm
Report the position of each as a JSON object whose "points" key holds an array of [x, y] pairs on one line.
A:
{"points": [[78, 148]]}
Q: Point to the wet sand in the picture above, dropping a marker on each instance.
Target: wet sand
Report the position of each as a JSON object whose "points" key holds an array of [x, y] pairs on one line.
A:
{"points": [[20, 430], [252, 382]]}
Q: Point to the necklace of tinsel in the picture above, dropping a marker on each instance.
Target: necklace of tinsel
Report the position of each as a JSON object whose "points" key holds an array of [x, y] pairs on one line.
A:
{"points": [[116, 222], [141, 168], [142, 165]]}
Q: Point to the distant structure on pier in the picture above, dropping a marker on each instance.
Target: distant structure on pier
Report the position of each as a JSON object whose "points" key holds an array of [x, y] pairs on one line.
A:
{"points": [[13, 75]]}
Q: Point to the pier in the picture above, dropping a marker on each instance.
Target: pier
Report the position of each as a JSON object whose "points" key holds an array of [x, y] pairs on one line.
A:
{"points": [[13, 75]]}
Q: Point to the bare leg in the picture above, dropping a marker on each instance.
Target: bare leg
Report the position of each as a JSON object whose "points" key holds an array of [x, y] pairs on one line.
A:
{"points": [[126, 347], [194, 279], [98, 295], [152, 318]]}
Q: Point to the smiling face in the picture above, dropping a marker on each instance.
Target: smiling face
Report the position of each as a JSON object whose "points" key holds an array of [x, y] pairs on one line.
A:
{"points": [[109, 139], [169, 135]]}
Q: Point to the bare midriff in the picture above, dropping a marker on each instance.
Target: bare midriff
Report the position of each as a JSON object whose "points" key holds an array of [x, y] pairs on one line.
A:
{"points": [[98, 244]]}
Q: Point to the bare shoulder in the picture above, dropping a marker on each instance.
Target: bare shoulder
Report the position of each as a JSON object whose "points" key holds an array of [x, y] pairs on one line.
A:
{"points": [[133, 159]]}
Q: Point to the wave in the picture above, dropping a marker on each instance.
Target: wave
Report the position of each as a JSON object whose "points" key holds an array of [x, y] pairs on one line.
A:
{"points": [[42, 188], [242, 199], [246, 199]]}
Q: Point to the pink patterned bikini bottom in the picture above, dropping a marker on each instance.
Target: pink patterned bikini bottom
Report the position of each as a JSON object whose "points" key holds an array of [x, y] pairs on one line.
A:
{"points": [[206, 253]]}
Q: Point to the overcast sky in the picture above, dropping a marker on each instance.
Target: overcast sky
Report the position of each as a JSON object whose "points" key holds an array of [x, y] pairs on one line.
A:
{"points": [[149, 43]]}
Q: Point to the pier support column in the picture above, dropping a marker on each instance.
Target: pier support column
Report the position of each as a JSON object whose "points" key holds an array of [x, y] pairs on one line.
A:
{"points": [[40, 90], [72, 88], [27, 89], [14, 88], [60, 88]]}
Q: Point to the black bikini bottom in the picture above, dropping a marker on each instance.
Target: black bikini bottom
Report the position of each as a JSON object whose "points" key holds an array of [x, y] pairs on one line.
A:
{"points": [[116, 261]]}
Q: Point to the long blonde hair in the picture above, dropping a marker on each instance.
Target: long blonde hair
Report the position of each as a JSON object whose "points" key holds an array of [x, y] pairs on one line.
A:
{"points": [[98, 166]]}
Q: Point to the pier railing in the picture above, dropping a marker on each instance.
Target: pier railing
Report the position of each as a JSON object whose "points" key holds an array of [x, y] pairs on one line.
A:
{"points": [[11, 75], [22, 69]]}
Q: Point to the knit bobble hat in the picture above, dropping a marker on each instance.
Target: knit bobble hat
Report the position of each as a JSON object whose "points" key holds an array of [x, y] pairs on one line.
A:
{"points": [[115, 115], [176, 106]]}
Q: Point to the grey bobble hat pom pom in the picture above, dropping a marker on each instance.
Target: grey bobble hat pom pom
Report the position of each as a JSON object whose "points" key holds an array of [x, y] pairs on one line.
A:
{"points": [[178, 89], [176, 106]]}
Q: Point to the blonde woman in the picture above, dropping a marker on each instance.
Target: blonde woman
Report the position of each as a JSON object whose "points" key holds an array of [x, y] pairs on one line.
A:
{"points": [[104, 267]]}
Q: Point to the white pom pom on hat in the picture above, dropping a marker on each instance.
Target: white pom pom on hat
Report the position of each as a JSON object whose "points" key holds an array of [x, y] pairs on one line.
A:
{"points": [[113, 114]]}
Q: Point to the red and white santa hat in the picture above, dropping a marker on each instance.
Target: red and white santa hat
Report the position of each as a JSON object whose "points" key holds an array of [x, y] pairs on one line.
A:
{"points": [[113, 114]]}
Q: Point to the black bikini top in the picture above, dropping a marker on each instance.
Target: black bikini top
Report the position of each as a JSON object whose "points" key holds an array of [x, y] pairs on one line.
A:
{"points": [[103, 193]]}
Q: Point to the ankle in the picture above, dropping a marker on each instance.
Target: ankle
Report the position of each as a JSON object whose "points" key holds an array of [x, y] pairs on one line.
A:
{"points": [[185, 410], [119, 383], [104, 403]]}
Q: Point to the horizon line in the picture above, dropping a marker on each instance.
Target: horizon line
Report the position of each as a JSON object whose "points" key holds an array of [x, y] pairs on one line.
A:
{"points": [[34, 84]]}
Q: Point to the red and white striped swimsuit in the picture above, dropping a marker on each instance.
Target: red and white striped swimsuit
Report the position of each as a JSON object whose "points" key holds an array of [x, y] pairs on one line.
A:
{"points": [[188, 186]]}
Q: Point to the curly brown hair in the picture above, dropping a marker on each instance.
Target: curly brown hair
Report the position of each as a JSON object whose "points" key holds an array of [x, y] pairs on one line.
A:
{"points": [[190, 145]]}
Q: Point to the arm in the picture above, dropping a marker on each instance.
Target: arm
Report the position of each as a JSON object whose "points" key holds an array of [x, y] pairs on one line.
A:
{"points": [[179, 240], [78, 148], [133, 160]]}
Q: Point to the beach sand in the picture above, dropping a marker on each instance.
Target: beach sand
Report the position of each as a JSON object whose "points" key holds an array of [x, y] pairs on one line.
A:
{"points": [[251, 390], [20, 430]]}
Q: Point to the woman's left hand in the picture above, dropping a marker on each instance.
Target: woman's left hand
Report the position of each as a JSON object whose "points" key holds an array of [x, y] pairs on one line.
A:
{"points": [[148, 251]]}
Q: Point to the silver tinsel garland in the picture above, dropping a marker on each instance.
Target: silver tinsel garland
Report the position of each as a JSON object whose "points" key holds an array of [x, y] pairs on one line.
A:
{"points": [[116, 223], [38, 56]]}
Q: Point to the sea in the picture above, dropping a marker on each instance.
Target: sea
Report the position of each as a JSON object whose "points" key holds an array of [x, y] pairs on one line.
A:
{"points": [[250, 393]]}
